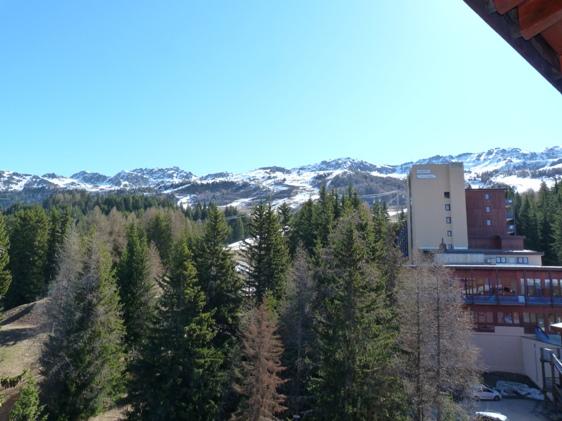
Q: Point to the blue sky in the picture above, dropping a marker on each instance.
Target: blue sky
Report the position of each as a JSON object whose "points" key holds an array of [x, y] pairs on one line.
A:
{"points": [[213, 85]]}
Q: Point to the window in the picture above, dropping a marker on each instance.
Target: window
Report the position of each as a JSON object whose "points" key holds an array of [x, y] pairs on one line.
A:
{"points": [[488, 222], [448, 220], [487, 196], [450, 246], [523, 260], [449, 233], [447, 206], [555, 288], [488, 209], [501, 259], [447, 195]]}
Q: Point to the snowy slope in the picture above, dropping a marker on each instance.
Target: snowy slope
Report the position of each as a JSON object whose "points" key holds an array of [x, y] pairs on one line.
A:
{"points": [[514, 167]]}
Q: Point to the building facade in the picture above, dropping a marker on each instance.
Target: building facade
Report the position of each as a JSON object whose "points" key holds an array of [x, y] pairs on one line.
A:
{"points": [[472, 233]]}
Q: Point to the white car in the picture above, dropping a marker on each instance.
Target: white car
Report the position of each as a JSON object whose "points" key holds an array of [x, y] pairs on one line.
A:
{"points": [[483, 392], [490, 416]]}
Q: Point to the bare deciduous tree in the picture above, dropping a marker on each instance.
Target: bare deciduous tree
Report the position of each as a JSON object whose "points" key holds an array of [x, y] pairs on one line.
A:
{"points": [[439, 360]]}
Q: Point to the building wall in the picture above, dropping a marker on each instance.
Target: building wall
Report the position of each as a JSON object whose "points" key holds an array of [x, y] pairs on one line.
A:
{"points": [[508, 349], [486, 205], [500, 350], [428, 226]]}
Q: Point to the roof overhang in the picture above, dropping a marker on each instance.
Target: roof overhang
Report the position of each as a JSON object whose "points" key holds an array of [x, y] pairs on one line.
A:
{"points": [[532, 27]]}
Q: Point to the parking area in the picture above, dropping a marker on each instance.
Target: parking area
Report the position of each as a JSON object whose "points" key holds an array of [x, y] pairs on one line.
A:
{"points": [[517, 409]]}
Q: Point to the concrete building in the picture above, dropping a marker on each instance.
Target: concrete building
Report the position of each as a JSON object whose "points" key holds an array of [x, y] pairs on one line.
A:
{"points": [[437, 208], [506, 287]]}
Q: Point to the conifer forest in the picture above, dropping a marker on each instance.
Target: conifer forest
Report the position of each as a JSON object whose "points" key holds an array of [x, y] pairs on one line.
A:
{"points": [[207, 313]]}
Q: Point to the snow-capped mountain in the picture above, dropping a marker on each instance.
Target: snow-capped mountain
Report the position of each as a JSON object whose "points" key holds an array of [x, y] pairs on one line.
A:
{"points": [[512, 167]]}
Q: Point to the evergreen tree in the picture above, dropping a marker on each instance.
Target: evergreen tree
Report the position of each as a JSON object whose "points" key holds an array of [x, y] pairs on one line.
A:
{"points": [[218, 278], [159, 231], [325, 217], [83, 359], [557, 243], [267, 254], [28, 256], [303, 230], [136, 287], [284, 212], [296, 322], [59, 222], [384, 251], [238, 232], [28, 406], [356, 337], [178, 375], [260, 369], [5, 274], [528, 225]]}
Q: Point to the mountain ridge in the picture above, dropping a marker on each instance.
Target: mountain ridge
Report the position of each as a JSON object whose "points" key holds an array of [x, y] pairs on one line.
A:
{"points": [[512, 167]]}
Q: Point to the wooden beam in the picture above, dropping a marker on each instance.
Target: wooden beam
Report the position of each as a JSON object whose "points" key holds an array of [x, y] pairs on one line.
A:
{"points": [[504, 6], [505, 27], [537, 15], [553, 36]]}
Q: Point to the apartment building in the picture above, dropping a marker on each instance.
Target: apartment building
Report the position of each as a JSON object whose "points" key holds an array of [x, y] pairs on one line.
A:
{"points": [[472, 232], [437, 208]]}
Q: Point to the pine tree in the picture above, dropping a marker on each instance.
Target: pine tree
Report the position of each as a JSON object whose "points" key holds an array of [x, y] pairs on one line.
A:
{"points": [[261, 368], [83, 358], [28, 406], [28, 256], [178, 376], [267, 255], [356, 337], [136, 288], [5, 274]]}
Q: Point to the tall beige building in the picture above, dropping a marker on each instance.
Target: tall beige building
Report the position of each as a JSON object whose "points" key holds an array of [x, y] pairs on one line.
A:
{"points": [[437, 208]]}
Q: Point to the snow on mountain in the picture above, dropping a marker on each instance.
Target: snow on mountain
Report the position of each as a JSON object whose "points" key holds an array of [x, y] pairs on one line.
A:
{"points": [[514, 167]]}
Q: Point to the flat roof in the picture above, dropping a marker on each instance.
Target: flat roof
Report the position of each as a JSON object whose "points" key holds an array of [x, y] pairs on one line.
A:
{"points": [[493, 251], [504, 266]]}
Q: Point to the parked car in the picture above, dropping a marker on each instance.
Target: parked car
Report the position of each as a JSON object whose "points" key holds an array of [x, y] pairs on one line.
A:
{"points": [[490, 416], [483, 392]]}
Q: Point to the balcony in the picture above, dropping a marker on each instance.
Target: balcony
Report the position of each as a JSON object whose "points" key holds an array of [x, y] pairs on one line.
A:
{"points": [[511, 300], [541, 301]]}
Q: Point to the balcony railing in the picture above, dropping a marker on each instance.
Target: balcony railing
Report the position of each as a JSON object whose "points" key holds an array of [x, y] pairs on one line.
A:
{"points": [[512, 300]]}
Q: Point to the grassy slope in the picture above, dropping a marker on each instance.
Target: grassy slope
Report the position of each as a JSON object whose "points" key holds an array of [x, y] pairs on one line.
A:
{"points": [[22, 333]]}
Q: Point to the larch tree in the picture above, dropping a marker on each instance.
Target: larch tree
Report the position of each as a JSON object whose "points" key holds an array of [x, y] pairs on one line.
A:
{"points": [[260, 369], [438, 357]]}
